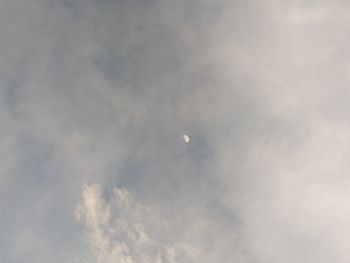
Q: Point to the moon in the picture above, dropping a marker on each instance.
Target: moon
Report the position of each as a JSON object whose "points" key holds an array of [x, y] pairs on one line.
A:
{"points": [[186, 138]]}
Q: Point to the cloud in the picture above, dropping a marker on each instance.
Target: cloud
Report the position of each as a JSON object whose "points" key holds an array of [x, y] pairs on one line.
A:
{"points": [[124, 230], [100, 92]]}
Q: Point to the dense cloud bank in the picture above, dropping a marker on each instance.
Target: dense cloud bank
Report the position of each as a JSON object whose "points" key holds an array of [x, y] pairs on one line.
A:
{"points": [[96, 96]]}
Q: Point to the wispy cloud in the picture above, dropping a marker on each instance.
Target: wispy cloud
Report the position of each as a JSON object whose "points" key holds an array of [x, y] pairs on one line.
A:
{"points": [[121, 229], [101, 91]]}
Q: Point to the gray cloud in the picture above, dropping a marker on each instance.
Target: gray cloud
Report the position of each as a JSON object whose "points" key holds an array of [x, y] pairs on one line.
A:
{"points": [[99, 93]]}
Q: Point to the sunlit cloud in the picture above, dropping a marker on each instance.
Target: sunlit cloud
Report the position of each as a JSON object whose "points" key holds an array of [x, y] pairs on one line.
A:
{"points": [[124, 230]]}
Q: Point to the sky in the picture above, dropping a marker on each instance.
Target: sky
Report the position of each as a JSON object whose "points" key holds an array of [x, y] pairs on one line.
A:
{"points": [[96, 95]]}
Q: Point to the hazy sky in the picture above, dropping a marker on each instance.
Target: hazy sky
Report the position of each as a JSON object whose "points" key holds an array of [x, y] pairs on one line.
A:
{"points": [[97, 94]]}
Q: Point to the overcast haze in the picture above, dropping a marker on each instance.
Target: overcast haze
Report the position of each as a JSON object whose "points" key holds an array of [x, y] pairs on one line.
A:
{"points": [[96, 96]]}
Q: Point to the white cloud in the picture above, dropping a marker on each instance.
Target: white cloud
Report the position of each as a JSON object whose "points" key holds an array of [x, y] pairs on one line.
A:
{"points": [[126, 231]]}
